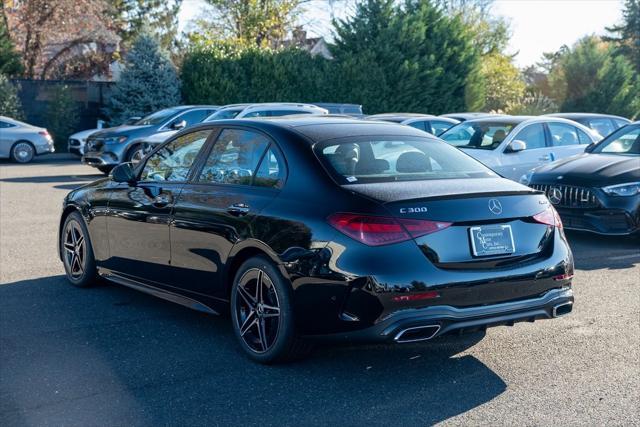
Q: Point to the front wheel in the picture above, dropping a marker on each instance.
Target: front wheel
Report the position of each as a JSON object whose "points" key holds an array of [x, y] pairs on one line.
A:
{"points": [[77, 254], [262, 313], [136, 154]]}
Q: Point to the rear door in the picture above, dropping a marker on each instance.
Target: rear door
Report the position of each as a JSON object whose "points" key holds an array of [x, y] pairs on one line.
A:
{"points": [[242, 174], [566, 140], [515, 164]]}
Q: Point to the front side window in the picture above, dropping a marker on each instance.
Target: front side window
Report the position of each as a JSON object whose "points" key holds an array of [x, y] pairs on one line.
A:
{"points": [[173, 161], [624, 141], [389, 159], [158, 117], [421, 126], [532, 136], [478, 134], [225, 113], [192, 117], [234, 157], [439, 127]]}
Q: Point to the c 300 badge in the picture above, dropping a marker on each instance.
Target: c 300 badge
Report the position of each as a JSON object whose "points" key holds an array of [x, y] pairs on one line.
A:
{"points": [[417, 209]]}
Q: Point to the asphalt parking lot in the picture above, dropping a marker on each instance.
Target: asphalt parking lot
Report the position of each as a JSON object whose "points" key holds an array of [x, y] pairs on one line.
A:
{"points": [[110, 356]]}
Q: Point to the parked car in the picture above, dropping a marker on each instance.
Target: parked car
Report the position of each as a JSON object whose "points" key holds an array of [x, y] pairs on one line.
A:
{"points": [[463, 117], [353, 110], [598, 191], [431, 124], [110, 147], [77, 142], [418, 239], [513, 145], [21, 142], [276, 109], [604, 124], [226, 112]]}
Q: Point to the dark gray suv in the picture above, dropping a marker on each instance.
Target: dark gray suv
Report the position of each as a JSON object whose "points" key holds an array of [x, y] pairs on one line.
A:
{"points": [[110, 147]]}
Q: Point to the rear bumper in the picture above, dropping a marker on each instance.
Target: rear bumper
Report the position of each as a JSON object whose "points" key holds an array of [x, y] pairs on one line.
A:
{"points": [[422, 324]]}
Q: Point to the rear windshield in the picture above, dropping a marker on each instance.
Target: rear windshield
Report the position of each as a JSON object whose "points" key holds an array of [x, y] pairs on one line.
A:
{"points": [[479, 135], [388, 159]]}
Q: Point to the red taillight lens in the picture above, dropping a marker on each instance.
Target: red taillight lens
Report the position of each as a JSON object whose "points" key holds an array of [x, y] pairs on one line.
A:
{"points": [[377, 230], [44, 133], [549, 216]]}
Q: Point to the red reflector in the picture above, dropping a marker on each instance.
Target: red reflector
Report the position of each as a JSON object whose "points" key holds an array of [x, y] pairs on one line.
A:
{"points": [[549, 216], [563, 277], [416, 297], [378, 230]]}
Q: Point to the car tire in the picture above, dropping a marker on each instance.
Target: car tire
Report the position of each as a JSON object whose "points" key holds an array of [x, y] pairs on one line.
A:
{"points": [[77, 252], [135, 154], [23, 152], [263, 320]]}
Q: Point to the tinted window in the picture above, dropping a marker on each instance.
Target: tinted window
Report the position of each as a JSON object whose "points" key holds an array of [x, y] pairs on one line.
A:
{"points": [[583, 137], [6, 125], [439, 127], [271, 171], [619, 123], [173, 161], [533, 136], [234, 157], [623, 141], [603, 126], [158, 117], [420, 125], [482, 135], [225, 114], [387, 159], [192, 117], [563, 134]]}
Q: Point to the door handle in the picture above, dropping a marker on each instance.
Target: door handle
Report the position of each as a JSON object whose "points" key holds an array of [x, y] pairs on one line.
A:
{"points": [[238, 209], [545, 158], [162, 200]]}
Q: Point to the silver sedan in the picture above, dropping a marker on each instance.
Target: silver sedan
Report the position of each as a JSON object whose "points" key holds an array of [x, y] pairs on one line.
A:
{"points": [[21, 142]]}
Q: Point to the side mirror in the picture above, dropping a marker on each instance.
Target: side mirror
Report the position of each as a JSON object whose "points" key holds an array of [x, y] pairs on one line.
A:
{"points": [[516, 146], [123, 173], [179, 125], [590, 147]]}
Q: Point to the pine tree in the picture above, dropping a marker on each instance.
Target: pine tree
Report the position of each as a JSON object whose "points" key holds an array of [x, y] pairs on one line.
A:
{"points": [[10, 61], [412, 57], [626, 36], [148, 83], [10, 105]]}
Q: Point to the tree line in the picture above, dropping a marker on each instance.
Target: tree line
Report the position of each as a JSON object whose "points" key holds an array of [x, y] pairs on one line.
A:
{"points": [[430, 56]]}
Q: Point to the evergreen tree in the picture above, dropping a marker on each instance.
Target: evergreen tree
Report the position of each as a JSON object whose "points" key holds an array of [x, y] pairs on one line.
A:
{"points": [[148, 83], [10, 105], [10, 61], [412, 57], [626, 36], [62, 116], [590, 77]]}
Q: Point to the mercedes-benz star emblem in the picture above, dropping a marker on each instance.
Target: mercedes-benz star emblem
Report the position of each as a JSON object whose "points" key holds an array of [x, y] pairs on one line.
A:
{"points": [[555, 195], [495, 206]]}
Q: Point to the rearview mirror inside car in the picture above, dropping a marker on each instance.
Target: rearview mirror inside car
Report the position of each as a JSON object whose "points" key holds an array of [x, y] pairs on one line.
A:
{"points": [[517, 145], [123, 173]]}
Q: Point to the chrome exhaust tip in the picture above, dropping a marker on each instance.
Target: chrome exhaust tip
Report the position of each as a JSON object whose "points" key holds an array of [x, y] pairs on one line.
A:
{"points": [[417, 333], [562, 309]]}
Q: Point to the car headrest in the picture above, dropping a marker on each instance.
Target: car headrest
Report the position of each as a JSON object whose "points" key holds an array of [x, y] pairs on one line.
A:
{"points": [[413, 162]]}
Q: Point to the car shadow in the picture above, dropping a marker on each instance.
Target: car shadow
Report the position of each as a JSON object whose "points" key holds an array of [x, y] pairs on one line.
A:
{"points": [[595, 252], [108, 353], [63, 182]]}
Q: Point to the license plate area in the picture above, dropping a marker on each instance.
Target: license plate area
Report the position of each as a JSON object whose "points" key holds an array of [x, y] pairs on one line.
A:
{"points": [[491, 240]]}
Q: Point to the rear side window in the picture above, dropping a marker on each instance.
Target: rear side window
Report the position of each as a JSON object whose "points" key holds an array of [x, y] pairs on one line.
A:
{"points": [[388, 159], [234, 158], [5, 125], [563, 134], [601, 125], [619, 123], [420, 125], [533, 136], [271, 172]]}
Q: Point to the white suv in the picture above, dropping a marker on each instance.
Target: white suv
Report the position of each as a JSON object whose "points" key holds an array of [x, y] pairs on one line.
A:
{"points": [[267, 109]]}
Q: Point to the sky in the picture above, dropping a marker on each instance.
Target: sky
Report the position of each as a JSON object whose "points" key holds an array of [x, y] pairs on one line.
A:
{"points": [[537, 26]]}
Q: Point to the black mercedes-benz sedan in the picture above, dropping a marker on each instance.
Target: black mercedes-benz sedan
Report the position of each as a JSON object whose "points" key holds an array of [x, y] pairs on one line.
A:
{"points": [[313, 227], [598, 191]]}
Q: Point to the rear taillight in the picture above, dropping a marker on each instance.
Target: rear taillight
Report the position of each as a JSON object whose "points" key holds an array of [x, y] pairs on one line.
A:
{"points": [[377, 230], [549, 216]]}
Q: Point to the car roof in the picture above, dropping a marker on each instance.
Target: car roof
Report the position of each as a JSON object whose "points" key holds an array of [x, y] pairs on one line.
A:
{"points": [[586, 115], [501, 119], [398, 117], [316, 129]]}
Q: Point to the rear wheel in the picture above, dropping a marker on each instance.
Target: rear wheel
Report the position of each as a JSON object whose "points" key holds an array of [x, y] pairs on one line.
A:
{"points": [[77, 254], [262, 313], [22, 152]]}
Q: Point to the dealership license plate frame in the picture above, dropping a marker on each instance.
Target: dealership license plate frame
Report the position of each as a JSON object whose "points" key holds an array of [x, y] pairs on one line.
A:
{"points": [[506, 246]]}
